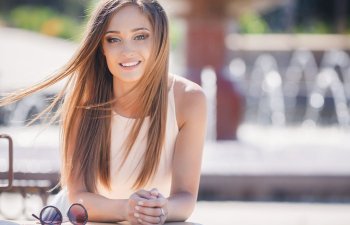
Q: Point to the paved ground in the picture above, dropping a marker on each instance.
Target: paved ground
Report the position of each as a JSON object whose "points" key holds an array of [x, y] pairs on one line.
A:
{"points": [[244, 213]]}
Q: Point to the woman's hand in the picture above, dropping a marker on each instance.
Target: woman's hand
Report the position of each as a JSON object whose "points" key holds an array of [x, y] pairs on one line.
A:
{"points": [[152, 210], [134, 199]]}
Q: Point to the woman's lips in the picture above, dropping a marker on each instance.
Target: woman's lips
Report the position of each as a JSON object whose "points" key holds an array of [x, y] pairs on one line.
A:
{"points": [[130, 65]]}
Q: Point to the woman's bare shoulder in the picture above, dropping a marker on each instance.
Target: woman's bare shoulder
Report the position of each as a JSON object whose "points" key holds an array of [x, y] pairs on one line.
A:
{"points": [[189, 99], [184, 84]]}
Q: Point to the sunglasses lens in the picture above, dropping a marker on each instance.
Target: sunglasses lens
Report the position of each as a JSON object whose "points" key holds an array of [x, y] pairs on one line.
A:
{"points": [[77, 214], [51, 215]]}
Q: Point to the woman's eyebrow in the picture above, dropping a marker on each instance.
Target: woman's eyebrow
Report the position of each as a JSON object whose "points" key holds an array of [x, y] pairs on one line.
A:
{"points": [[133, 30]]}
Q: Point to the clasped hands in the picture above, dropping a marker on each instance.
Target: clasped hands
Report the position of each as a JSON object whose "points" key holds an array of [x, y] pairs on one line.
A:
{"points": [[147, 208]]}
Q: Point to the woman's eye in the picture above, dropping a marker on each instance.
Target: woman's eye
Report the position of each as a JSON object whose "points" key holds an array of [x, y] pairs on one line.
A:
{"points": [[113, 40], [141, 37]]}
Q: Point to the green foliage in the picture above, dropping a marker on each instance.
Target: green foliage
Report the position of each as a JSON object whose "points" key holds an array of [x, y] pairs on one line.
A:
{"points": [[44, 20], [317, 27], [30, 18], [91, 5], [2, 21], [252, 23], [175, 34]]}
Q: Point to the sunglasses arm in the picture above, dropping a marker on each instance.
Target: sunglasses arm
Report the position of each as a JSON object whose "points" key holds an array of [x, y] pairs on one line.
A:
{"points": [[36, 217]]}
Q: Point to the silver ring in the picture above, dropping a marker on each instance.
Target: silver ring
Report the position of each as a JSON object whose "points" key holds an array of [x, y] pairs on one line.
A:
{"points": [[162, 211]]}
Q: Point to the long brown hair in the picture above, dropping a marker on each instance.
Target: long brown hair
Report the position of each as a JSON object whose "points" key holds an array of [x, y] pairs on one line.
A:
{"points": [[88, 95]]}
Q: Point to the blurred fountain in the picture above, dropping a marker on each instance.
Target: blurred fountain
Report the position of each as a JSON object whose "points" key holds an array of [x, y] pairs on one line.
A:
{"points": [[340, 61], [333, 82], [328, 79], [27, 109], [208, 80], [236, 74], [300, 96], [298, 84], [265, 102]]}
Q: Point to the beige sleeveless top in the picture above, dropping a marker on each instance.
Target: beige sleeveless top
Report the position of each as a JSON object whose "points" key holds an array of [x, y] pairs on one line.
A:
{"points": [[123, 178]]}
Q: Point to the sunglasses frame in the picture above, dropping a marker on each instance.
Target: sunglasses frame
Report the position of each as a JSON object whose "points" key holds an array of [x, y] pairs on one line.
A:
{"points": [[60, 214], [87, 217]]}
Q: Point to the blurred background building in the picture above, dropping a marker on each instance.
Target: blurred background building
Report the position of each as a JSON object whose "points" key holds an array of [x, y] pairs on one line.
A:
{"points": [[276, 74]]}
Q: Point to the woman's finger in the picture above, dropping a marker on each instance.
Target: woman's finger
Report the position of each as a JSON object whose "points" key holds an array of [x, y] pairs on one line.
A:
{"points": [[159, 202], [154, 192], [149, 211], [133, 200], [148, 219], [144, 194]]}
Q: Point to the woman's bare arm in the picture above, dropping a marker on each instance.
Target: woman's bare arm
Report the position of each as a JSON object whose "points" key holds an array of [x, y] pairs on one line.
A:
{"points": [[192, 116], [188, 155]]}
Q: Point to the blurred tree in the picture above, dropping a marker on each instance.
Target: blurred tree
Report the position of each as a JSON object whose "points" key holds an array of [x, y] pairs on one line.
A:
{"points": [[64, 18], [341, 10], [319, 16], [73, 8], [302, 16], [252, 23], [45, 20]]}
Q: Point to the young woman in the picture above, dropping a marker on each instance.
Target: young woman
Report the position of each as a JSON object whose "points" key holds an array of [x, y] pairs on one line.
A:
{"points": [[132, 133]]}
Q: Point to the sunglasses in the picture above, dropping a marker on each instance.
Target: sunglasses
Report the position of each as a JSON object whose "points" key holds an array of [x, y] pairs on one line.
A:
{"points": [[50, 215]]}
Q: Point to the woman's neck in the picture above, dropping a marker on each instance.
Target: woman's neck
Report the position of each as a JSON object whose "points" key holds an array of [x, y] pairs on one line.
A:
{"points": [[122, 92], [121, 88]]}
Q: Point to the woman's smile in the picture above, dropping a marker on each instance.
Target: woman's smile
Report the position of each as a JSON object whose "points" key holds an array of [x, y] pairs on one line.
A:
{"points": [[130, 65]]}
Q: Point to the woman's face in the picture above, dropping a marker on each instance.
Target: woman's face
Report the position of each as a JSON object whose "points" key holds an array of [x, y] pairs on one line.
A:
{"points": [[127, 44]]}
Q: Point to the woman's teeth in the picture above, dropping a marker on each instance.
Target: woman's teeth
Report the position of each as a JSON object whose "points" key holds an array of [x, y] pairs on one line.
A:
{"points": [[130, 64]]}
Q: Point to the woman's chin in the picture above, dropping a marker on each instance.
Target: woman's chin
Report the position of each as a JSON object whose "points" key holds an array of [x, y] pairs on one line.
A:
{"points": [[129, 78]]}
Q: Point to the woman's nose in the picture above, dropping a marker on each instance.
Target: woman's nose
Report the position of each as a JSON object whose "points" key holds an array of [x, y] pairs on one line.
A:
{"points": [[128, 50]]}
